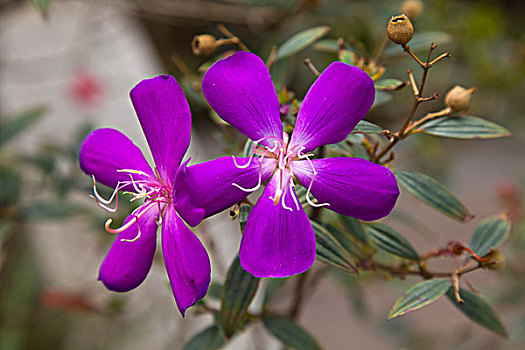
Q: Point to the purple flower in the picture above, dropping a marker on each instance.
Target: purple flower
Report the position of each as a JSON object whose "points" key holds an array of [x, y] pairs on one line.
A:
{"points": [[278, 240], [113, 160]]}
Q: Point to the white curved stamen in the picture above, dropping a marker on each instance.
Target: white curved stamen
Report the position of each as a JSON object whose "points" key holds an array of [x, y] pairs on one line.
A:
{"points": [[98, 197], [259, 182], [136, 237], [307, 157], [292, 193], [256, 143], [283, 200]]}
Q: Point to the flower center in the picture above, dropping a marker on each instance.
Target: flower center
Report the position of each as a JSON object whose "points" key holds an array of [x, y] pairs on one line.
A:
{"points": [[152, 190], [285, 157]]}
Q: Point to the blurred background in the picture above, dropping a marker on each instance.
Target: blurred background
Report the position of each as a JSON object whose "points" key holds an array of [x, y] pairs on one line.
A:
{"points": [[66, 67]]}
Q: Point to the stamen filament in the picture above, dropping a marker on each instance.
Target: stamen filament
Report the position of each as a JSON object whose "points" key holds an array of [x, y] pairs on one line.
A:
{"points": [[143, 209]]}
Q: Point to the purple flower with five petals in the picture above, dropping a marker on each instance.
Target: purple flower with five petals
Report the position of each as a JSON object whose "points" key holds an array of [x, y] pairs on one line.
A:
{"points": [[113, 160], [278, 239]]}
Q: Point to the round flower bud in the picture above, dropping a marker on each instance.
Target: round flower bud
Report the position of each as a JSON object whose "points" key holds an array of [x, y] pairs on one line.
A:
{"points": [[400, 29], [458, 98], [412, 8], [497, 261], [204, 44]]}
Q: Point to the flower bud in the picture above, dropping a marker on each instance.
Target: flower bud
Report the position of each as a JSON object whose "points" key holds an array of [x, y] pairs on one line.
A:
{"points": [[412, 8], [204, 44], [458, 98], [400, 29], [497, 261]]}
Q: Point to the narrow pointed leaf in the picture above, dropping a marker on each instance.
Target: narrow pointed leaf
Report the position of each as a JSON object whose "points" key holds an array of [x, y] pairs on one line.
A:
{"points": [[238, 292], [347, 57], [301, 41], [331, 46], [389, 84], [433, 193], [330, 250], [465, 127], [382, 97], [210, 338], [478, 310], [389, 240], [273, 285], [289, 333], [354, 227], [367, 128], [244, 211], [491, 233], [419, 295], [15, 125]]}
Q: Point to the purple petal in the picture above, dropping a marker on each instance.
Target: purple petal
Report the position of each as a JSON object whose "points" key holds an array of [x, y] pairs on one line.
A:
{"points": [[239, 88], [335, 103], [277, 242], [186, 260], [352, 186], [105, 151], [207, 188], [127, 264], [165, 117]]}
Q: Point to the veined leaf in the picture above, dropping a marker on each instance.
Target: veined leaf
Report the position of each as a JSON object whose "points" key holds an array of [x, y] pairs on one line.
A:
{"points": [[433, 193], [210, 338], [388, 239], [478, 310], [419, 295], [368, 128], [354, 227], [15, 125], [331, 46], [347, 57], [301, 41], [389, 84], [465, 127], [271, 288], [239, 289], [289, 333], [421, 41], [330, 250], [244, 211], [491, 233], [381, 98]]}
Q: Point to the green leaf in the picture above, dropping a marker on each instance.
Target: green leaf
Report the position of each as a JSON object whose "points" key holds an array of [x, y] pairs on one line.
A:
{"points": [[382, 97], [465, 127], [214, 290], [15, 125], [354, 227], [347, 57], [239, 289], [289, 333], [301, 41], [331, 250], [421, 41], [433, 193], [389, 84], [331, 46], [244, 211], [41, 5], [367, 128], [478, 310], [210, 338], [273, 285], [388, 239], [419, 295], [491, 233]]}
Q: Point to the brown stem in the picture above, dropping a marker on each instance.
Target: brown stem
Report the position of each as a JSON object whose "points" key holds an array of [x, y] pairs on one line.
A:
{"points": [[310, 65], [232, 36]]}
